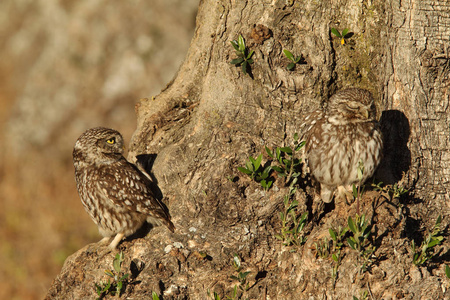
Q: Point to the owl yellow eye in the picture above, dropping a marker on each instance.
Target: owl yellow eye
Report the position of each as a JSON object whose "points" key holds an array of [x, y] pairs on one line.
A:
{"points": [[111, 141]]}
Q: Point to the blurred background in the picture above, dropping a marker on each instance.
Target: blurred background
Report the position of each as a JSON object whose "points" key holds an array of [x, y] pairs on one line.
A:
{"points": [[67, 66]]}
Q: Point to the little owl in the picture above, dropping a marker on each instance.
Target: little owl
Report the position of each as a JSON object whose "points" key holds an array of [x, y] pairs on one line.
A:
{"points": [[339, 138], [114, 192]]}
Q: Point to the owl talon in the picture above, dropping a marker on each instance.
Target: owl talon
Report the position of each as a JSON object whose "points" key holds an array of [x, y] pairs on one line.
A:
{"points": [[104, 240], [326, 194], [116, 241], [345, 194]]}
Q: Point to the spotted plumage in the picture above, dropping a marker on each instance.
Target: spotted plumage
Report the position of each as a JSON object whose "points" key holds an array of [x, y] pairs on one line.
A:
{"points": [[340, 136], [114, 192]]}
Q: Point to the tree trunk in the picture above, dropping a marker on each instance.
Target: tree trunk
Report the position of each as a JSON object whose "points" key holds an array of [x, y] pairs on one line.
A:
{"points": [[212, 117]]}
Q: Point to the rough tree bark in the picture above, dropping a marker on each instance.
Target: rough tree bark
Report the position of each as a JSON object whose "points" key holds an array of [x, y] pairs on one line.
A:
{"points": [[212, 117]]}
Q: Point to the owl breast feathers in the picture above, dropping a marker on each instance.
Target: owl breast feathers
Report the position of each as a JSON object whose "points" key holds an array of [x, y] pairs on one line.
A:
{"points": [[114, 192], [339, 138]]}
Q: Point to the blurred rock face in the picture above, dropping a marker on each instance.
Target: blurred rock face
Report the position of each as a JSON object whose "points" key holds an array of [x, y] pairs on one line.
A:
{"points": [[67, 66], [79, 64]]}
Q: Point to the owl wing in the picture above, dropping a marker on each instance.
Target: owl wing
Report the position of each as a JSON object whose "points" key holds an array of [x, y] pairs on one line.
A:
{"points": [[309, 123], [126, 186]]}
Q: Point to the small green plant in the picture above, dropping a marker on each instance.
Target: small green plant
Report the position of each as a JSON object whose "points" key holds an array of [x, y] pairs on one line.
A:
{"points": [[327, 247], [337, 258], [291, 224], [337, 236], [213, 296], [288, 165], [244, 57], [257, 172], [391, 191], [427, 248], [155, 296], [447, 271], [361, 231], [240, 289], [345, 34], [231, 178], [358, 190], [113, 287], [359, 240], [397, 191], [322, 248], [364, 296], [294, 59], [241, 276]]}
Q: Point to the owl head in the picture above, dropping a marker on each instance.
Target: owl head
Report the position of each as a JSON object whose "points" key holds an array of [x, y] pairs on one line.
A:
{"points": [[98, 146], [353, 104]]}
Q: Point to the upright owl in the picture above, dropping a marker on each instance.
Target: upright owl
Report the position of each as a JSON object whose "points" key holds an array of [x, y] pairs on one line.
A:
{"points": [[114, 192], [338, 138]]}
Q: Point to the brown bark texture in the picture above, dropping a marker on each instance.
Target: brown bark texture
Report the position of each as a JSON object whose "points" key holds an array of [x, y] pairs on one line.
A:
{"points": [[212, 117]]}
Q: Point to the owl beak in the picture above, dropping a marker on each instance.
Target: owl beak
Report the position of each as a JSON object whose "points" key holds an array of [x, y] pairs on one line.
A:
{"points": [[365, 113]]}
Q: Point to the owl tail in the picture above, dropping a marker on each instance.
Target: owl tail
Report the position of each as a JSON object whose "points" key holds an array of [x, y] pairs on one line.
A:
{"points": [[170, 225], [161, 220]]}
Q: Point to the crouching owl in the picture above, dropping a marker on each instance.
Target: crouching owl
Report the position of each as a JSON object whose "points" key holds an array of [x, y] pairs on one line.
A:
{"points": [[114, 192], [339, 138]]}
